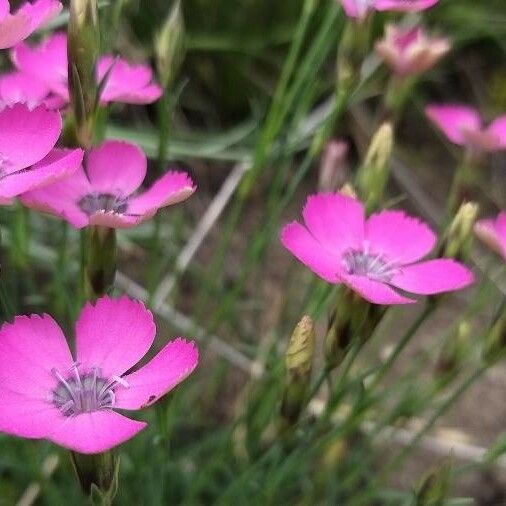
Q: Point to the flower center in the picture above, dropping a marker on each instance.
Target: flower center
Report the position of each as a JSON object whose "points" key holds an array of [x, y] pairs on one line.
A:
{"points": [[84, 393], [362, 263], [103, 202]]}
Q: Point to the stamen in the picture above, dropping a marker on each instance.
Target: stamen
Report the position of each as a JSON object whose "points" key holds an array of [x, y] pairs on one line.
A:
{"points": [[368, 264]]}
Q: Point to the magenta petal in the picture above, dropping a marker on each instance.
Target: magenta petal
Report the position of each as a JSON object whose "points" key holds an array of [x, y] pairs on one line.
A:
{"points": [[116, 168], [404, 5], [29, 350], [13, 28], [19, 87], [46, 62], [58, 164], [335, 220], [4, 8], [27, 136], [454, 120], [114, 220], [62, 198], [146, 95], [95, 432], [40, 11], [357, 9], [498, 129], [113, 334], [432, 277], [25, 416], [299, 241], [398, 237], [168, 368], [171, 188], [374, 291]]}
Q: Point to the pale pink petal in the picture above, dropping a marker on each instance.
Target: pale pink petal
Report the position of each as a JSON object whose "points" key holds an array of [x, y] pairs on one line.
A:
{"points": [[168, 368], [299, 241], [113, 334], [4, 8], [374, 291], [335, 220], [398, 237], [454, 120], [498, 129], [96, 432], [25, 416], [493, 233], [30, 348], [19, 87], [171, 188], [146, 95], [40, 12], [58, 164], [357, 9], [116, 167], [432, 277], [62, 198], [26, 136], [404, 5], [46, 62], [115, 220]]}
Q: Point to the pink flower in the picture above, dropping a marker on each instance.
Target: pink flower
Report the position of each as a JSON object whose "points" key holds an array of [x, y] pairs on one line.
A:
{"points": [[47, 394], [27, 157], [492, 232], [47, 63], [359, 9], [371, 256], [463, 126], [16, 27], [410, 51], [103, 191]]}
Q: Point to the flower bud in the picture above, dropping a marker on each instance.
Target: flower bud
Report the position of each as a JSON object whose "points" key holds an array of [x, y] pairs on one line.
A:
{"points": [[459, 237], [373, 175], [298, 363], [169, 46], [97, 475], [83, 51], [334, 170]]}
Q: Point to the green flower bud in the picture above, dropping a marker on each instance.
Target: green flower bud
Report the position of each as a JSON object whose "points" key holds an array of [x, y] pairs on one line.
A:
{"points": [[454, 351], [434, 488], [298, 363], [373, 175], [83, 51], [459, 236], [169, 46]]}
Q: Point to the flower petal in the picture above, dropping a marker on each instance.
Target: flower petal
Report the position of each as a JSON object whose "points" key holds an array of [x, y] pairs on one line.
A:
{"points": [[19, 87], [40, 11], [13, 28], [433, 276], [173, 364], [113, 334], [27, 136], [171, 188], [30, 348], [96, 432], [25, 416], [398, 237], [404, 5], [298, 240], [498, 129], [374, 291], [116, 167], [492, 232], [62, 198], [453, 120], [58, 164], [335, 220]]}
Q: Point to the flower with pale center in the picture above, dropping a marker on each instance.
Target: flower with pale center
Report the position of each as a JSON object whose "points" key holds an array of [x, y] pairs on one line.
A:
{"points": [[463, 126], [359, 9], [492, 232], [46, 393], [104, 190], [17, 26], [28, 159], [46, 63], [376, 256], [409, 51]]}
